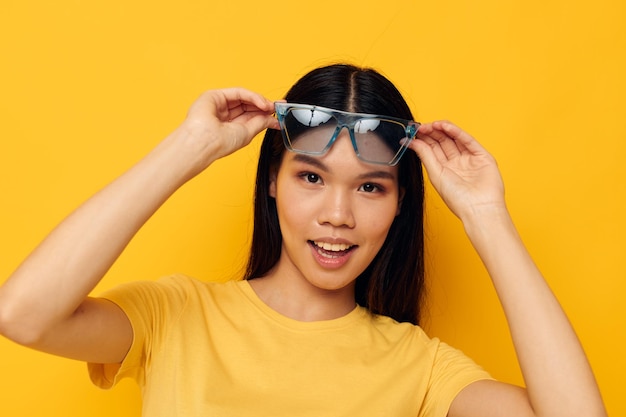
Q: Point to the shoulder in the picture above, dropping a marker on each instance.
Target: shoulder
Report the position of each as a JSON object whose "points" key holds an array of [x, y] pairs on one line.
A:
{"points": [[175, 283], [396, 329], [416, 339], [175, 292], [449, 370], [403, 336]]}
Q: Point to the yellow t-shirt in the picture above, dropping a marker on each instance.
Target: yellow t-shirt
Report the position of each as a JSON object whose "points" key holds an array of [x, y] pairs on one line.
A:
{"points": [[216, 350]]}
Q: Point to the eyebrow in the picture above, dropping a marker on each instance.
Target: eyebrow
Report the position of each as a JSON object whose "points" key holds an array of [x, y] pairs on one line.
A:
{"points": [[310, 160]]}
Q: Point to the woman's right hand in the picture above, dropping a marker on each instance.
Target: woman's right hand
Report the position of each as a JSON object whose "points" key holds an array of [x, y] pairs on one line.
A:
{"points": [[222, 121]]}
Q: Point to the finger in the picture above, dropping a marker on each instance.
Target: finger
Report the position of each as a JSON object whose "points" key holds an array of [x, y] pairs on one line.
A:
{"points": [[247, 100], [464, 141], [438, 138], [257, 121], [428, 155], [243, 111], [434, 146], [261, 122], [230, 103]]}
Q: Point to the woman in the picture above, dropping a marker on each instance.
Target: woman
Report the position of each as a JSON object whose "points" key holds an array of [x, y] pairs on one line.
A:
{"points": [[338, 220]]}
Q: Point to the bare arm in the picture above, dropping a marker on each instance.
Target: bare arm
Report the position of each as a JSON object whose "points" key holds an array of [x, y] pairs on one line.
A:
{"points": [[559, 380], [45, 304]]}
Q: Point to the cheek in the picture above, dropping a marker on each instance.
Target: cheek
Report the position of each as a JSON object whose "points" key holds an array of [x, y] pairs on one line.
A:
{"points": [[291, 215], [379, 220], [293, 211]]}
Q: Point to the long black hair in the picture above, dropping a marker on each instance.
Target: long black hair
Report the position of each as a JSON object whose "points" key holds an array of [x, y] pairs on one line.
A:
{"points": [[392, 284]]}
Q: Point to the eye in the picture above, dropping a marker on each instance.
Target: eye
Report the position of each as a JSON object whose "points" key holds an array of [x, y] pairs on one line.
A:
{"points": [[311, 177], [370, 188]]}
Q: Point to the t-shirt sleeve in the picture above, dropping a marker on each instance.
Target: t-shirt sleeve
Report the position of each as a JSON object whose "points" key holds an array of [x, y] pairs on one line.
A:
{"points": [[451, 372], [149, 306]]}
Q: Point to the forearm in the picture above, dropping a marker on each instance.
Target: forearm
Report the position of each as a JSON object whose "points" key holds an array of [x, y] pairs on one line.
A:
{"points": [[55, 279], [558, 377]]}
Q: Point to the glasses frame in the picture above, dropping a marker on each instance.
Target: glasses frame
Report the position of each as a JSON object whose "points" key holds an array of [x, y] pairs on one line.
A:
{"points": [[346, 120]]}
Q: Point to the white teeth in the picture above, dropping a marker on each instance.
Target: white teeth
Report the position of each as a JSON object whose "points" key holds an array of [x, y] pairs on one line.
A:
{"points": [[333, 247]]}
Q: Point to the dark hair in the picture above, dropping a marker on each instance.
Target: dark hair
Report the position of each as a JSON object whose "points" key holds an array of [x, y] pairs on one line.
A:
{"points": [[392, 284]]}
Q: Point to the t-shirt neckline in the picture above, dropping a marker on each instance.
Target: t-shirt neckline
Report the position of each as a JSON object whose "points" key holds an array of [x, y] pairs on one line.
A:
{"points": [[356, 314]]}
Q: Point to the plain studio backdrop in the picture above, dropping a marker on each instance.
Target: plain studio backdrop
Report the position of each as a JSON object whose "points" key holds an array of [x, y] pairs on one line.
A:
{"points": [[88, 87]]}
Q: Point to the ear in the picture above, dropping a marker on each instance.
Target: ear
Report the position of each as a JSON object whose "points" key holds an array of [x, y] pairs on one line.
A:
{"points": [[401, 193], [272, 188]]}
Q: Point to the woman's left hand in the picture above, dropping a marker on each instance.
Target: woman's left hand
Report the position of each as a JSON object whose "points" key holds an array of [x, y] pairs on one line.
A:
{"points": [[461, 170]]}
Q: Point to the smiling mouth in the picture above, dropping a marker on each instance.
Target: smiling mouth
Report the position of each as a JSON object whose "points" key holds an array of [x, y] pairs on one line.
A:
{"points": [[332, 250]]}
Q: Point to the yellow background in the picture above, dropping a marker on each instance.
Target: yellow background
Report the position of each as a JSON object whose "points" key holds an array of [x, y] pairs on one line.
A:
{"points": [[88, 87]]}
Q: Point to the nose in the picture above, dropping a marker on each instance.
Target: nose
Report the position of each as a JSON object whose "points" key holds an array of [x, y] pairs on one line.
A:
{"points": [[336, 209]]}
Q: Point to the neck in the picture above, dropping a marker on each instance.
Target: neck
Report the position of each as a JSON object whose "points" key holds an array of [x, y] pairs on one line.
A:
{"points": [[301, 301]]}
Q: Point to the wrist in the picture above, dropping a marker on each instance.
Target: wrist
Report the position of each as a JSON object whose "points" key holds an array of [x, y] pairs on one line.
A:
{"points": [[186, 153], [487, 220]]}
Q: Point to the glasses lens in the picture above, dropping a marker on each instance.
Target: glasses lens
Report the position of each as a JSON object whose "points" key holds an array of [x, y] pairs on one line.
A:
{"points": [[379, 140], [309, 130]]}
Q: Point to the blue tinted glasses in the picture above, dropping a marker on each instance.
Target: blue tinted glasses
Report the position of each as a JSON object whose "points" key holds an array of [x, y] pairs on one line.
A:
{"points": [[312, 130]]}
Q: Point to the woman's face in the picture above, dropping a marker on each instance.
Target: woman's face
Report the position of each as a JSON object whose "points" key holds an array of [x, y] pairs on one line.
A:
{"points": [[335, 212]]}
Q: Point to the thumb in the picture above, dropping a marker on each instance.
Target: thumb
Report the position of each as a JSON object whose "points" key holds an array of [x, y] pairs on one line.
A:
{"points": [[261, 121], [426, 155]]}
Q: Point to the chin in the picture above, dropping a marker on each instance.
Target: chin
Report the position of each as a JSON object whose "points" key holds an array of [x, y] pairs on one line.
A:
{"points": [[333, 284]]}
